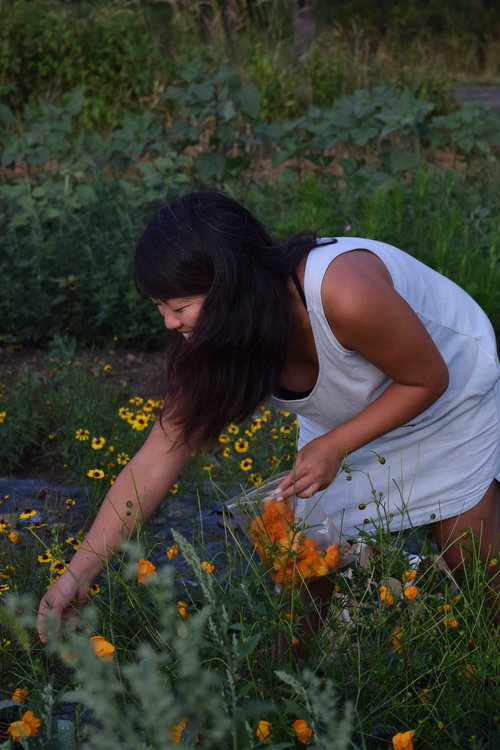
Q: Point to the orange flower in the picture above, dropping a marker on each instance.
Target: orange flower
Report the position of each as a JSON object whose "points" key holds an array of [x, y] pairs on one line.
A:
{"points": [[15, 538], [25, 727], [292, 556], [145, 570], [303, 731], [208, 566], [450, 622], [263, 730], [411, 592], [20, 695], [403, 740], [177, 730], [173, 551], [103, 648], [408, 576], [386, 596], [182, 610], [397, 634]]}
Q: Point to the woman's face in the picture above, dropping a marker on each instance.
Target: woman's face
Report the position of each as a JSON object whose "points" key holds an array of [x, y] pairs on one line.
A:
{"points": [[181, 313]]}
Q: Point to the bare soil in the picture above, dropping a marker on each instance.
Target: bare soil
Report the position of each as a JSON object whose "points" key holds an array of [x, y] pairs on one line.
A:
{"points": [[138, 371]]}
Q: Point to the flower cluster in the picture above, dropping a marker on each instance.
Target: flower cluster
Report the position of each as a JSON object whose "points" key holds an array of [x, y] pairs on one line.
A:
{"points": [[293, 556]]}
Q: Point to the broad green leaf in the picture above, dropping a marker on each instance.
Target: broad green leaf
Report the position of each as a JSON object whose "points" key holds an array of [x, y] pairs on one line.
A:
{"points": [[400, 160], [208, 165]]}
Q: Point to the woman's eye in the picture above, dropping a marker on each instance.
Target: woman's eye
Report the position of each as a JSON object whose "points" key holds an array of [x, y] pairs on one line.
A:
{"points": [[179, 310]]}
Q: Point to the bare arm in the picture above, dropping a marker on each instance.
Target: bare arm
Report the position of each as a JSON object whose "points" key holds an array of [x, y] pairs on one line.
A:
{"points": [[131, 500], [368, 316]]}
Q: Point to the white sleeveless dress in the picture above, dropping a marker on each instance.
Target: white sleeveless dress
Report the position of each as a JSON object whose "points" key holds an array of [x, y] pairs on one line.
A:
{"points": [[438, 464]]}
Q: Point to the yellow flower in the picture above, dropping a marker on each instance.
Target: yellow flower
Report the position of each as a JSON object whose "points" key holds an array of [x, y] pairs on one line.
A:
{"points": [[139, 422], [75, 543], [303, 731], [107, 368], [19, 695], [174, 489], [173, 551], [256, 478], [226, 452], [95, 589], [403, 740], [246, 464], [45, 557], [98, 443], [69, 502], [208, 566], [411, 592], [102, 648], [5, 526], [208, 467], [57, 566], [241, 446], [177, 730], [25, 727], [263, 730], [15, 538], [233, 429], [223, 438], [82, 434], [182, 610], [28, 513], [145, 570], [136, 401], [122, 459], [386, 596], [408, 576], [95, 473]]}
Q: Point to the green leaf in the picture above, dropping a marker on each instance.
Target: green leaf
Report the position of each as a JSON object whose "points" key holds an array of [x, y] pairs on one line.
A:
{"points": [[247, 98], [74, 102], [208, 165], [6, 115], [400, 161]]}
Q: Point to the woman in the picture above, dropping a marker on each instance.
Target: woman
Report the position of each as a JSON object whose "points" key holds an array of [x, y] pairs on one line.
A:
{"points": [[391, 367]]}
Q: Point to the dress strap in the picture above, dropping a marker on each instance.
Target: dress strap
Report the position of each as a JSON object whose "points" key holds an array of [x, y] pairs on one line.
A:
{"points": [[299, 288]]}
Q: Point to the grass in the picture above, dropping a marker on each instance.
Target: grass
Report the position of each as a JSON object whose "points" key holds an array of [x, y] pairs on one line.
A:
{"points": [[206, 666]]}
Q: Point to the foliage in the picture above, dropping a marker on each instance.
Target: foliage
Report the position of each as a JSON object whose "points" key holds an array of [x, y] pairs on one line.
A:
{"points": [[424, 660]]}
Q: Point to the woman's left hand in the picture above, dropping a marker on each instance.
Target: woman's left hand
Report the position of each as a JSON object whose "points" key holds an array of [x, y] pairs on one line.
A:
{"points": [[316, 466]]}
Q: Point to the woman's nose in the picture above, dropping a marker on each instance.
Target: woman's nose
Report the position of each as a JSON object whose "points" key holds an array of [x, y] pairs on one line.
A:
{"points": [[170, 319]]}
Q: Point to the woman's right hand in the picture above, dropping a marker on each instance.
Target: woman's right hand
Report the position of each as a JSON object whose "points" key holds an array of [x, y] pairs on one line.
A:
{"points": [[63, 601]]}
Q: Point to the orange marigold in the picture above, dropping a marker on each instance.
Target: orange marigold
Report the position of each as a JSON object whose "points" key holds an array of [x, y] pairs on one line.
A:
{"points": [[102, 648], [386, 595], [173, 551], [145, 570], [303, 731], [403, 740], [182, 610], [208, 566], [291, 554], [411, 592], [25, 727], [20, 695], [263, 730]]}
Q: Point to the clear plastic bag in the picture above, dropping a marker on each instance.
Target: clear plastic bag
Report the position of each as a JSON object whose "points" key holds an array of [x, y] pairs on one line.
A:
{"points": [[294, 537]]}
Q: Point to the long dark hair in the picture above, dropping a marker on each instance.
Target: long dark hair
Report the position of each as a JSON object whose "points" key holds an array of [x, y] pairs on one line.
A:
{"points": [[206, 243]]}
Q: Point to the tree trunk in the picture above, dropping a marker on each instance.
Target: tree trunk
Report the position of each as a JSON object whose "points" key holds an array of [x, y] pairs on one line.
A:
{"points": [[303, 13]]}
